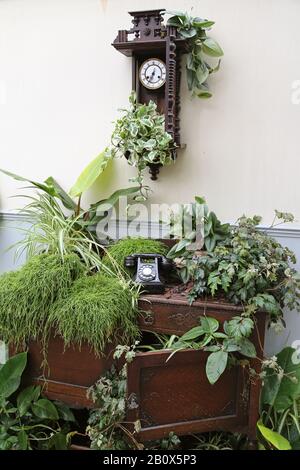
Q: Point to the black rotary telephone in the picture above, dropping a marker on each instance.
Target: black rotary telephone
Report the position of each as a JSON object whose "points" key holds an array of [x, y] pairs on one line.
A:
{"points": [[148, 266]]}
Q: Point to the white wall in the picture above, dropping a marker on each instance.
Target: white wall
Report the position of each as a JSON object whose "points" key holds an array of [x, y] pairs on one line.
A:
{"points": [[61, 83]]}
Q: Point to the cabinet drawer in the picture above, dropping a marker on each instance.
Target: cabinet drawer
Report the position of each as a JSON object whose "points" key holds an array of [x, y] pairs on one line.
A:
{"points": [[175, 316], [176, 395]]}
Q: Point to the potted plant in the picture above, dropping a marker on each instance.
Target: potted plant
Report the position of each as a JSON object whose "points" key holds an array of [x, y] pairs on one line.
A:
{"points": [[140, 136]]}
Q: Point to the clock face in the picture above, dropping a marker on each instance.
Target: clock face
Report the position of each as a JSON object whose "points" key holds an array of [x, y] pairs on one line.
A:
{"points": [[153, 73]]}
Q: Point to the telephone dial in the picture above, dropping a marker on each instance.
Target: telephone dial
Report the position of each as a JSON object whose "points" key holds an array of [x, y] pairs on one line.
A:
{"points": [[149, 268]]}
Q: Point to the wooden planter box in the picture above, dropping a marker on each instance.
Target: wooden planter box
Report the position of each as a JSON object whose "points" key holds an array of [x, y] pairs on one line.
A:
{"points": [[175, 395], [70, 372], [164, 396]]}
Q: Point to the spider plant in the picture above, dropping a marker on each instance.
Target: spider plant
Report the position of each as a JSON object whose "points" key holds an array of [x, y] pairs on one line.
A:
{"points": [[51, 231]]}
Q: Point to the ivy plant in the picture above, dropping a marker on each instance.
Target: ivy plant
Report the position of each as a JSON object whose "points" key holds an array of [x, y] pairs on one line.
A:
{"points": [[140, 136], [106, 425], [248, 267], [201, 47], [28, 420]]}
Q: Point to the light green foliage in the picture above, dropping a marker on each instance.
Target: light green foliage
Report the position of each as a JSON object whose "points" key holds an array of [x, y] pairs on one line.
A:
{"points": [[195, 222], [28, 421], [117, 253], [280, 401], [140, 136], [54, 233], [90, 174], [97, 310], [27, 294], [273, 438], [201, 48]]}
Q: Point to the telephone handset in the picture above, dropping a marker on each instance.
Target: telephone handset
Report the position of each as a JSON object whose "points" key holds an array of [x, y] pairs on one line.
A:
{"points": [[148, 267]]}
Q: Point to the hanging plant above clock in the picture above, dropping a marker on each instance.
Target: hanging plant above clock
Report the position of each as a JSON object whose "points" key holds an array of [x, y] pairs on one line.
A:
{"points": [[200, 47]]}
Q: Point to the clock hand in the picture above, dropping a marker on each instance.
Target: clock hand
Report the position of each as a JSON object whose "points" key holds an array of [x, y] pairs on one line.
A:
{"points": [[152, 75]]}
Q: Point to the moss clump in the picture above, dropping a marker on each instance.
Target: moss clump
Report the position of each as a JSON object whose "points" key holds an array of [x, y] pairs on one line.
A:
{"points": [[98, 310], [27, 295], [128, 246]]}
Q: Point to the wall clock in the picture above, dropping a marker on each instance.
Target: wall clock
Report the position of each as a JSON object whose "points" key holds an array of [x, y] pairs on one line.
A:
{"points": [[156, 51]]}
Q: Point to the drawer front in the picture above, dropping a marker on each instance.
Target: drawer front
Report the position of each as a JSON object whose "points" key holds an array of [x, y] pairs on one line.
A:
{"points": [[176, 395]]}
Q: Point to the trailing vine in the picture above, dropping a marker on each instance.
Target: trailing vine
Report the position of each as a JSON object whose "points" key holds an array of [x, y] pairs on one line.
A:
{"points": [[201, 46]]}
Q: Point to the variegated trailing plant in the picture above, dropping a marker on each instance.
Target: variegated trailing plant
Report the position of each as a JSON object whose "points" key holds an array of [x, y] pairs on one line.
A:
{"points": [[140, 136], [201, 48]]}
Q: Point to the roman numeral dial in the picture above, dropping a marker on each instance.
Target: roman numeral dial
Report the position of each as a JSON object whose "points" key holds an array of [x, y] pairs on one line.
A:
{"points": [[153, 73]]}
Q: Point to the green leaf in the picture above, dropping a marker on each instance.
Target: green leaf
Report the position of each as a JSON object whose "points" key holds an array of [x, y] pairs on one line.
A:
{"points": [[59, 441], [45, 409], [281, 391], [274, 438], [239, 327], [26, 397], [215, 365], [64, 412], [22, 440], [192, 334], [10, 374], [202, 73], [247, 348], [212, 48], [60, 193], [209, 325], [203, 24], [90, 174], [188, 33], [204, 94]]}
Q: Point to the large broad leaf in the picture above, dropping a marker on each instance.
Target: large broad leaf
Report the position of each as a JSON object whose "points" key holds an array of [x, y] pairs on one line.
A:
{"points": [[192, 334], [90, 174], [281, 391], [44, 409], [215, 365], [26, 397], [11, 373], [274, 438], [96, 210], [22, 440], [212, 48], [60, 193], [202, 73], [49, 186], [247, 348], [209, 324], [64, 412]]}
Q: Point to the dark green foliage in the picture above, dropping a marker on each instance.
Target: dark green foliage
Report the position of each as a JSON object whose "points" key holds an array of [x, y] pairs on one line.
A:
{"points": [[128, 246], [98, 310], [28, 421], [26, 295], [249, 268]]}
